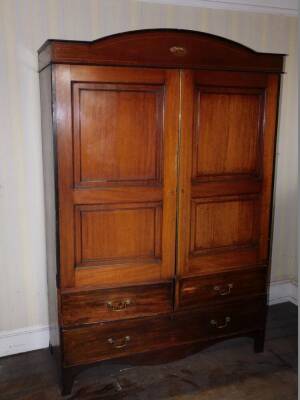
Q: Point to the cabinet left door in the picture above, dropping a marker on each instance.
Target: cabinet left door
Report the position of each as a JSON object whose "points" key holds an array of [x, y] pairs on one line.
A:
{"points": [[116, 135]]}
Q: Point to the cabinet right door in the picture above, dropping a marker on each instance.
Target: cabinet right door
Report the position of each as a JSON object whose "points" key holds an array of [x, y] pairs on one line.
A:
{"points": [[228, 125]]}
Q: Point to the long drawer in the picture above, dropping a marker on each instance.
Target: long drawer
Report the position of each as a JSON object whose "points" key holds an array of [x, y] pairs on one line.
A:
{"points": [[122, 338], [221, 287], [91, 306]]}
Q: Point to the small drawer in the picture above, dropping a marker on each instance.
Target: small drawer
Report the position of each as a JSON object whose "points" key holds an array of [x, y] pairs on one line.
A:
{"points": [[194, 292], [109, 340], [113, 304]]}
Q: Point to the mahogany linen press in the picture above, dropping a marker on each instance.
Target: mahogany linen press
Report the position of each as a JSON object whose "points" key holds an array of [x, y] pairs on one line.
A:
{"points": [[158, 150]]}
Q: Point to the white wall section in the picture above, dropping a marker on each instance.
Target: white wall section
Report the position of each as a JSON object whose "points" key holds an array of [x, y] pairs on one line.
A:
{"points": [[283, 7]]}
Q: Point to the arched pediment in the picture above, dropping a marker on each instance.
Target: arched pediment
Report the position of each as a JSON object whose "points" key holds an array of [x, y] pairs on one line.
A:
{"points": [[170, 48]]}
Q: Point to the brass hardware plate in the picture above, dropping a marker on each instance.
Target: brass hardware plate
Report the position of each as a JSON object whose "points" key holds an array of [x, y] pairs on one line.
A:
{"points": [[217, 325], [119, 343], [224, 291], [118, 305], [178, 51]]}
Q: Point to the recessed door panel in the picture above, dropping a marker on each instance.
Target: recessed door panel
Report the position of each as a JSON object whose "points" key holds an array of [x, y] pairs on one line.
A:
{"points": [[226, 133], [135, 228], [117, 186], [226, 159], [223, 223], [118, 133]]}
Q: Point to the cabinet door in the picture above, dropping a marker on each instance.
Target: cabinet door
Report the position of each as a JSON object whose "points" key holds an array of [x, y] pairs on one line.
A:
{"points": [[117, 133], [226, 170]]}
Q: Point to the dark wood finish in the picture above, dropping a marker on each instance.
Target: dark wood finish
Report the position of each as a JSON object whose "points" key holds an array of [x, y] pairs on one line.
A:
{"points": [[158, 158], [161, 356], [230, 365], [67, 379], [115, 339], [259, 341], [50, 179], [220, 288], [117, 303], [161, 48]]}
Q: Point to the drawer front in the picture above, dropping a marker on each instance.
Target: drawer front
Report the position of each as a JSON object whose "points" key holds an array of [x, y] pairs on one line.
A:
{"points": [[122, 338], [194, 292], [114, 304]]}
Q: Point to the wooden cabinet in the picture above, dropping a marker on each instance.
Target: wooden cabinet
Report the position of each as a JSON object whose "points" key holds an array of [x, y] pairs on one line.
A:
{"points": [[158, 161]]}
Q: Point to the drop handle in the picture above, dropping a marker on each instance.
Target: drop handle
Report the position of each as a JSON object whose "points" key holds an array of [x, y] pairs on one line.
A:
{"points": [[119, 343], [224, 290], [217, 325], [118, 305]]}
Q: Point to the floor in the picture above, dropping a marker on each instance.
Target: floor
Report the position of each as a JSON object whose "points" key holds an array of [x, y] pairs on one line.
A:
{"points": [[229, 370]]}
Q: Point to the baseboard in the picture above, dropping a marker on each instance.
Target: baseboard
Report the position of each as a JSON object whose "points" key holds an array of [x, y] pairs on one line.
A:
{"points": [[283, 291], [37, 337], [23, 340]]}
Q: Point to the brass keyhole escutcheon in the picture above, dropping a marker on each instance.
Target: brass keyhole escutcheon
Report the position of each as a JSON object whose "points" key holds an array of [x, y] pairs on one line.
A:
{"points": [[178, 51]]}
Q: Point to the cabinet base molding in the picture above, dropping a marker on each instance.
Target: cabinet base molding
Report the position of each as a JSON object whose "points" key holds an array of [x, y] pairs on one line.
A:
{"points": [[160, 339], [162, 356]]}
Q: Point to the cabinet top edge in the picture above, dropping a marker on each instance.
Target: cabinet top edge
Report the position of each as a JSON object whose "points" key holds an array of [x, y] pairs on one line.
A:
{"points": [[166, 48]]}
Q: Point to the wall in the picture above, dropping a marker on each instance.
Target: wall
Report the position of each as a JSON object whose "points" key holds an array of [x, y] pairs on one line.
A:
{"points": [[24, 26]]}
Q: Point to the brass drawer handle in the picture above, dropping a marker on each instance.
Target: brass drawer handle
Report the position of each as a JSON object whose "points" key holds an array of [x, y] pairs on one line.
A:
{"points": [[123, 342], [222, 291], [215, 323], [118, 305]]}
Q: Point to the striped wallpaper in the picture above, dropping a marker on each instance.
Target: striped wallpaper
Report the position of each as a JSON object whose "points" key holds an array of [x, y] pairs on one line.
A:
{"points": [[24, 26]]}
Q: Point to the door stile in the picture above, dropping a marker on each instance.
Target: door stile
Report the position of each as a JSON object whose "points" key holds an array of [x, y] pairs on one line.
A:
{"points": [[63, 136], [171, 121], [185, 168]]}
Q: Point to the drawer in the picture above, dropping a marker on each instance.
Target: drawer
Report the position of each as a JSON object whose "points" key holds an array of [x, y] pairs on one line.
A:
{"points": [[117, 339], [113, 304], [194, 292]]}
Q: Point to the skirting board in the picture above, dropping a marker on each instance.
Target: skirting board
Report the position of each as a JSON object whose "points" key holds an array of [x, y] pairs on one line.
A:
{"points": [[23, 340], [37, 337], [283, 291]]}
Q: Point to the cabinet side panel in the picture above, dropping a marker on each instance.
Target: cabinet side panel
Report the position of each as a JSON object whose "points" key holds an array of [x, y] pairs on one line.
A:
{"points": [[50, 201]]}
